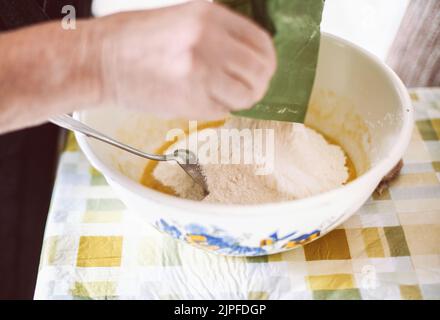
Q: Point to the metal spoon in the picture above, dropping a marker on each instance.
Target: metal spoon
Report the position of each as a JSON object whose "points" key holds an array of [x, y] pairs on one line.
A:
{"points": [[186, 159]]}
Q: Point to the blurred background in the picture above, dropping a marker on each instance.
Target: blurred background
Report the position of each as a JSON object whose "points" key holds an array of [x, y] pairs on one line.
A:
{"points": [[404, 33], [372, 24]]}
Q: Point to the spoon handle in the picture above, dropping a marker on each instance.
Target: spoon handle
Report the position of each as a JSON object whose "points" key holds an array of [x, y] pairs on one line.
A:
{"points": [[70, 123]]}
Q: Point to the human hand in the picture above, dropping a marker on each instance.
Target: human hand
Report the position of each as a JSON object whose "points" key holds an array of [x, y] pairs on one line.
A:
{"points": [[198, 60]]}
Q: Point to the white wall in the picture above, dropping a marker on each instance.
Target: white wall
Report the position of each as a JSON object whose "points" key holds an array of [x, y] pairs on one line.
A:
{"points": [[103, 7], [371, 24]]}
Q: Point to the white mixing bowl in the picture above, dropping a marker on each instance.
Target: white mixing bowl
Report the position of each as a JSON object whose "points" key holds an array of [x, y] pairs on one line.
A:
{"points": [[357, 101]]}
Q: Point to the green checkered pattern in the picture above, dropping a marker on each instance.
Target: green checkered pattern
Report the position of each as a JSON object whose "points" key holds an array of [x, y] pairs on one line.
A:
{"points": [[390, 249]]}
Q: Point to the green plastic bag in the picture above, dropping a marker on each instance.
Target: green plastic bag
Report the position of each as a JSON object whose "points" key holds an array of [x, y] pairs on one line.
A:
{"points": [[295, 26]]}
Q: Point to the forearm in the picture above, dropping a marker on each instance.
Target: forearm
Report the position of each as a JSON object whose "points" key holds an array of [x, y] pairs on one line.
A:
{"points": [[46, 70], [184, 61]]}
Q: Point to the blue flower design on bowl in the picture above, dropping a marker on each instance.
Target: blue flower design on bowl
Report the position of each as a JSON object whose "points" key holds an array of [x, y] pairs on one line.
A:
{"points": [[217, 241]]}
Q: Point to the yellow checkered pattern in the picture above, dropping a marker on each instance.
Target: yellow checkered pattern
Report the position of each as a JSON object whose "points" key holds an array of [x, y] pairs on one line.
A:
{"points": [[390, 249]]}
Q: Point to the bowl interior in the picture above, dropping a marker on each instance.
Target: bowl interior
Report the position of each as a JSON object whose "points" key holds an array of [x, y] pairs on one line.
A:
{"points": [[354, 102]]}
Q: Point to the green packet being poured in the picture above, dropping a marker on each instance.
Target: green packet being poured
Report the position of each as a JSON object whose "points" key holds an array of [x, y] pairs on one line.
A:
{"points": [[295, 27]]}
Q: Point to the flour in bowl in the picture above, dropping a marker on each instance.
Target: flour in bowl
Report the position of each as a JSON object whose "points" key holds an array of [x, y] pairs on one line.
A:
{"points": [[303, 163]]}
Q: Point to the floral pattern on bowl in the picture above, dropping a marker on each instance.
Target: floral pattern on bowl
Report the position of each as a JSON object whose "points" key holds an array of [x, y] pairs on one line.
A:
{"points": [[216, 239]]}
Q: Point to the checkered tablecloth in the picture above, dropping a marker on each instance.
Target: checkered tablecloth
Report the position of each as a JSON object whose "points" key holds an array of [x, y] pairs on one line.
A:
{"points": [[390, 249]]}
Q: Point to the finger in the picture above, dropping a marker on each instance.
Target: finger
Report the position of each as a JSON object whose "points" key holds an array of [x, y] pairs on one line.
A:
{"points": [[217, 110], [245, 30], [248, 66], [201, 105], [231, 91]]}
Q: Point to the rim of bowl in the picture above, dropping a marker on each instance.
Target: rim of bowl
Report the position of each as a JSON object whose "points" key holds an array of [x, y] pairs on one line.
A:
{"points": [[378, 171]]}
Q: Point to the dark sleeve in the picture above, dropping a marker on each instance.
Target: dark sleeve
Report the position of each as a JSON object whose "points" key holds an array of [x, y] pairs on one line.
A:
{"points": [[27, 167], [18, 13]]}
